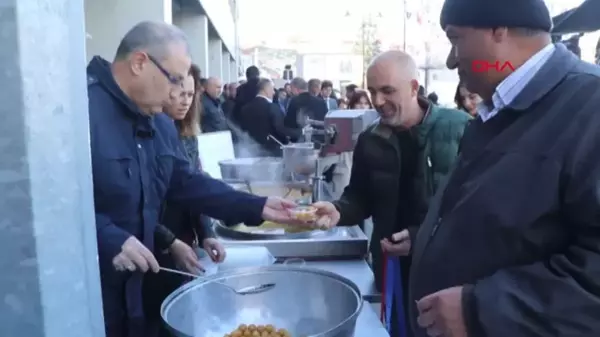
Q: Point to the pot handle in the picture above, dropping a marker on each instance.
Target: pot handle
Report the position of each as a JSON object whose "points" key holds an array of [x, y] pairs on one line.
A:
{"points": [[252, 289]]}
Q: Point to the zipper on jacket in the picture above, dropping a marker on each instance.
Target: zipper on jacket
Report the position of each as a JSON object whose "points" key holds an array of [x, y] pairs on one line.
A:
{"points": [[435, 228], [430, 176]]}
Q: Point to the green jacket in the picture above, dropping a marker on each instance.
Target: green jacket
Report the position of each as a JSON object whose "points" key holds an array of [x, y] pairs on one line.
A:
{"points": [[374, 182]]}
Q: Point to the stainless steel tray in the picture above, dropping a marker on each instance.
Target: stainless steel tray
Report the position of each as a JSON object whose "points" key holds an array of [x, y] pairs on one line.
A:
{"points": [[338, 243], [224, 231]]}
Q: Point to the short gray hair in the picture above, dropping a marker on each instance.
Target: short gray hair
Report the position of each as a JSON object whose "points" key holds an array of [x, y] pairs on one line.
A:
{"points": [[314, 83], [151, 37], [299, 83], [262, 83]]}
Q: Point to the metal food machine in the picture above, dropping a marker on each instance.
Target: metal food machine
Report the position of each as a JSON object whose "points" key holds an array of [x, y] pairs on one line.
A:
{"points": [[301, 169]]}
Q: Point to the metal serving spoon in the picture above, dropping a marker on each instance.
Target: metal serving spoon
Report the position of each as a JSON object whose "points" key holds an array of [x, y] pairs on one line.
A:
{"points": [[244, 291]]}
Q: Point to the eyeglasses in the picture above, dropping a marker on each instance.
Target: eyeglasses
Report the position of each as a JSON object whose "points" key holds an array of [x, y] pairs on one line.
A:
{"points": [[175, 80]]}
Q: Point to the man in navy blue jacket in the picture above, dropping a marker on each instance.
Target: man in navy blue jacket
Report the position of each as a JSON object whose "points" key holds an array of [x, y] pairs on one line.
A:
{"points": [[138, 164]]}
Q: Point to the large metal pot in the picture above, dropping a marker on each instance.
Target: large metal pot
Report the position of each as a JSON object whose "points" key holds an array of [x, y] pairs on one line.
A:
{"points": [[307, 302], [252, 169]]}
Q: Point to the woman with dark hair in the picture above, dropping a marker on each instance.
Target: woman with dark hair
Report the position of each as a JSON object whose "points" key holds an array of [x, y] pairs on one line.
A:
{"points": [[189, 230], [281, 99], [342, 103], [466, 100], [360, 101]]}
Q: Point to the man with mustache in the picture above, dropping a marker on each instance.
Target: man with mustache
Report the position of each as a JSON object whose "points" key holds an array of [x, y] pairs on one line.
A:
{"points": [[511, 245], [397, 166]]}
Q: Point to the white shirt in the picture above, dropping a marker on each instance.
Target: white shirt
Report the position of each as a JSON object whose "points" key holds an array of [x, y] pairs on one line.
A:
{"points": [[265, 97], [512, 85]]}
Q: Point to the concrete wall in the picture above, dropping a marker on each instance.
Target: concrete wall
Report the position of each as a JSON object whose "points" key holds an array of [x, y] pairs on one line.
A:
{"points": [[209, 24], [222, 18], [196, 28], [225, 66], [50, 283], [106, 21], [215, 57]]}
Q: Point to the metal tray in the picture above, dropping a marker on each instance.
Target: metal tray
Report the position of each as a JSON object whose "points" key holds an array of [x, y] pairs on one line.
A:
{"points": [[224, 231]]}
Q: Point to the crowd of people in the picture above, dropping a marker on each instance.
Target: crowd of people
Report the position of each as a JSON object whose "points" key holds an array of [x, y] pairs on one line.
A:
{"points": [[274, 111], [485, 215]]}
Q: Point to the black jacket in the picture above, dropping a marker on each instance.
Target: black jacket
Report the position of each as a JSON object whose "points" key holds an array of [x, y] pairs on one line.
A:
{"points": [[228, 106], [261, 118], [245, 93], [213, 118], [518, 222], [374, 188], [304, 105]]}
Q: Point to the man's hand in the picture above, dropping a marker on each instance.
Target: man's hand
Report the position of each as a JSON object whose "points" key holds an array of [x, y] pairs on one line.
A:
{"points": [[441, 313], [135, 256], [327, 215], [185, 256], [278, 210], [215, 249], [400, 246]]}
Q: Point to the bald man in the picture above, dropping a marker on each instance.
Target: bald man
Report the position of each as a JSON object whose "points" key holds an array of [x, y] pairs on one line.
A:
{"points": [[397, 166], [213, 117]]}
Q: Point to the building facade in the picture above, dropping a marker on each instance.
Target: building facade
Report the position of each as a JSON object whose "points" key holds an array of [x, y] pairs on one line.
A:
{"points": [[211, 26]]}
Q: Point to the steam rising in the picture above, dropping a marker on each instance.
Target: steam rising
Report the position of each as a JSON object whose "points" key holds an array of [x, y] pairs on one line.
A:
{"points": [[252, 166]]}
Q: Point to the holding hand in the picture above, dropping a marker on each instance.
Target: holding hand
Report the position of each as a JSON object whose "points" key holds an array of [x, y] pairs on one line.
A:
{"points": [[278, 210], [185, 257], [441, 313], [400, 246], [135, 256], [215, 249], [327, 215]]}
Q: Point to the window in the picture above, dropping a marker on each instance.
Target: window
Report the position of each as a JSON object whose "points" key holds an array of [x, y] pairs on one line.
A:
{"points": [[346, 67]]}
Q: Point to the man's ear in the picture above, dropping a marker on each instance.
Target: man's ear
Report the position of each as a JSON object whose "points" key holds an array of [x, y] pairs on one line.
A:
{"points": [[414, 87], [137, 62]]}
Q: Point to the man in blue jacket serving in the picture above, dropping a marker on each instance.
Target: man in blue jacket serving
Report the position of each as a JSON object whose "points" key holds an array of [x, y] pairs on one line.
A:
{"points": [[138, 165]]}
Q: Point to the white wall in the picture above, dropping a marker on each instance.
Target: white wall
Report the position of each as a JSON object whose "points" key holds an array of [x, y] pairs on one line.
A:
{"points": [[222, 19], [195, 27], [106, 21], [215, 57]]}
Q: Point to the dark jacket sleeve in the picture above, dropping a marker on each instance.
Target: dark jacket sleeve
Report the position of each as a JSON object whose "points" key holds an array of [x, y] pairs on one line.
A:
{"points": [[290, 116], [204, 195], [353, 204], [205, 228], [110, 237], [163, 237], [320, 109], [280, 131], [559, 295]]}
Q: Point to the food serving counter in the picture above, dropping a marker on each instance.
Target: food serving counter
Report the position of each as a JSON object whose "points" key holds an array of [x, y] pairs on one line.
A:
{"points": [[368, 324], [340, 250]]}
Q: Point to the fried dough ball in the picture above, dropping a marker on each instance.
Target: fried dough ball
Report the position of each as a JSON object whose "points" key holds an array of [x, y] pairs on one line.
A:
{"points": [[253, 330]]}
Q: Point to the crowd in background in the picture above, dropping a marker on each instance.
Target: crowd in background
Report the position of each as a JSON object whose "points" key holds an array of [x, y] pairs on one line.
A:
{"points": [[274, 111]]}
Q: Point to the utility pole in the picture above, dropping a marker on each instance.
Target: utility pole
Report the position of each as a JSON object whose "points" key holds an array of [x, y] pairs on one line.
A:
{"points": [[404, 25]]}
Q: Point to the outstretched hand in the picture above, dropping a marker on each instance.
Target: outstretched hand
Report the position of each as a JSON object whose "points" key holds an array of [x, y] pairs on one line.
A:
{"points": [[327, 215], [278, 210]]}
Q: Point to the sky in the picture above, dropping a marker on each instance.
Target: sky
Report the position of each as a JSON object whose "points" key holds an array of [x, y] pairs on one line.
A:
{"points": [[306, 19], [277, 21]]}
